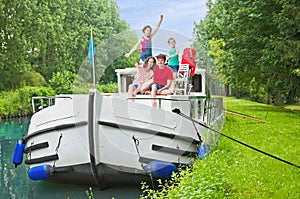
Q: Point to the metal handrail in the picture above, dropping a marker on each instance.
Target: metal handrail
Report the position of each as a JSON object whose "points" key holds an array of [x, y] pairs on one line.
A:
{"points": [[42, 98], [159, 99]]}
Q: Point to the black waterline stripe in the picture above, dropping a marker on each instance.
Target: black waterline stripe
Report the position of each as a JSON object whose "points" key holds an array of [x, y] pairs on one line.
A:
{"points": [[148, 160], [172, 150], [149, 131], [54, 128], [42, 159], [36, 147]]}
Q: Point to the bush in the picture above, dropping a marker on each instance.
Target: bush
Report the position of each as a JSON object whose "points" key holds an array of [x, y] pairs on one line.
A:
{"points": [[63, 82], [18, 102], [32, 78], [204, 179], [108, 88], [9, 103]]}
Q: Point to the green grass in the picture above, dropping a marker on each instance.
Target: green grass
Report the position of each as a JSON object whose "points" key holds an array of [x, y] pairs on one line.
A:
{"points": [[255, 175], [235, 171]]}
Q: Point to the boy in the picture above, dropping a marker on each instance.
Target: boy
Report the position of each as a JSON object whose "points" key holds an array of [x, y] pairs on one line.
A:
{"points": [[163, 77]]}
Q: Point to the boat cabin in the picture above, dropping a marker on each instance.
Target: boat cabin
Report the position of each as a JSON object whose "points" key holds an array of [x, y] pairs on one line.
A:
{"points": [[189, 96], [125, 77]]}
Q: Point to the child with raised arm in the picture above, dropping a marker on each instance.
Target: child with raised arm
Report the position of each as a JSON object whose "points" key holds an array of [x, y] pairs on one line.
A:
{"points": [[143, 78], [173, 62], [146, 41]]}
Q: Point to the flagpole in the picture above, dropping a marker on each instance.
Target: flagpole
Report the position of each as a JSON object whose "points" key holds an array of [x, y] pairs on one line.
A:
{"points": [[93, 59]]}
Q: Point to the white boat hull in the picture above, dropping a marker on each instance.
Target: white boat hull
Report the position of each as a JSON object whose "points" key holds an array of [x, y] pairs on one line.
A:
{"points": [[96, 140]]}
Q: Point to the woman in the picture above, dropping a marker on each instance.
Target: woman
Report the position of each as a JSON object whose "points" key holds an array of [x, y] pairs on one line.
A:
{"points": [[143, 78]]}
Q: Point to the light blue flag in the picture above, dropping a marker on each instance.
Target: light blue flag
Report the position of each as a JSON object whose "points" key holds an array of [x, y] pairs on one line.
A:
{"points": [[91, 51]]}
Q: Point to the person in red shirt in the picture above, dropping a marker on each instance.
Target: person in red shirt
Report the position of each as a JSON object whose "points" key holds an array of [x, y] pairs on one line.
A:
{"points": [[163, 77]]}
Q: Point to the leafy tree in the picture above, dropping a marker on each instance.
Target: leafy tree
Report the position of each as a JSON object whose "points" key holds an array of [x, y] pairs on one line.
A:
{"points": [[14, 45], [52, 36], [254, 42]]}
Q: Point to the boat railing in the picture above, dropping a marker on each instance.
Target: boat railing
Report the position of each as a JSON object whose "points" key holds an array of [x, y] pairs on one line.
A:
{"points": [[214, 109], [159, 99], [39, 102], [202, 109]]}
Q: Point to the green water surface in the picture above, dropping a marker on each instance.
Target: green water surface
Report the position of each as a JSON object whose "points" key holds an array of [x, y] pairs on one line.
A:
{"points": [[15, 184]]}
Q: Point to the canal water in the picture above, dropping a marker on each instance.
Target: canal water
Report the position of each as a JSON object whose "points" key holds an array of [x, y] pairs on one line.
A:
{"points": [[14, 183]]}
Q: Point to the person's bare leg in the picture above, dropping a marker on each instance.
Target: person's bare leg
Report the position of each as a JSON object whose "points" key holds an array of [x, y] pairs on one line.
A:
{"points": [[153, 95], [172, 87], [145, 87], [136, 91], [130, 90]]}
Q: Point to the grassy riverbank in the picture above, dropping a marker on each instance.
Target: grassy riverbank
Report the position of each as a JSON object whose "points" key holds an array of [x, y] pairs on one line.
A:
{"points": [[235, 171]]}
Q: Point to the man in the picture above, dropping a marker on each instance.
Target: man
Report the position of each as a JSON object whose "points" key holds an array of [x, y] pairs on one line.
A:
{"points": [[163, 77]]}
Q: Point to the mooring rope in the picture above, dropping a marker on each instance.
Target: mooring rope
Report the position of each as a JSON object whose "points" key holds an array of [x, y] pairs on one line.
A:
{"points": [[57, 147], [136, 143], [242, 143], [58, 144]]}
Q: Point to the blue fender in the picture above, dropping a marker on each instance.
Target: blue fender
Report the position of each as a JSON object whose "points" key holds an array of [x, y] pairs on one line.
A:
{"points": [[41, 172], [160, 169], [18, 153], [203, 151]]}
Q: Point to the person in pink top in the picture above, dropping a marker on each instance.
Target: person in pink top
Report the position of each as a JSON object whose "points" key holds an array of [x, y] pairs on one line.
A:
{"points": [[146, 41], [143, 78], [163, 77]]}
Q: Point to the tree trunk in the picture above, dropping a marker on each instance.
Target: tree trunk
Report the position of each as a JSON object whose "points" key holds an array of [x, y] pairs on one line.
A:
{"points": [[269, 100], [237, 93], [277, 98], [227, 90], [290, 98]]}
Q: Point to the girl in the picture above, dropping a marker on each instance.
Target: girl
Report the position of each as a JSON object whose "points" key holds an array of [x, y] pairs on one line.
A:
{"points": [[143, 78], [145, 41], [173, 62]]}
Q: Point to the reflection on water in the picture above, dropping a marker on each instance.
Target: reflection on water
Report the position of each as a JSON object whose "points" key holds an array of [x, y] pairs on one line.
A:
{"points": [[47, 190], [15, 184]]}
